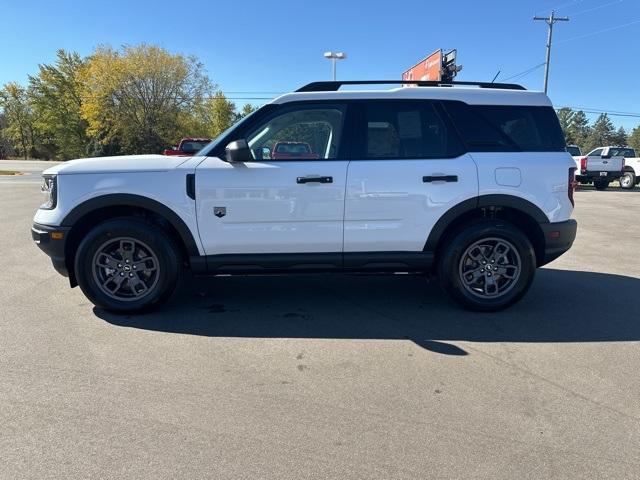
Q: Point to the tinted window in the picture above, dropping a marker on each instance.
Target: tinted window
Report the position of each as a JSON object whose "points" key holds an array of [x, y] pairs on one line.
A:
{"points": [[574, 151], [508, 128], [407, 130], [622, 152], [302, 133], [596, 153]]}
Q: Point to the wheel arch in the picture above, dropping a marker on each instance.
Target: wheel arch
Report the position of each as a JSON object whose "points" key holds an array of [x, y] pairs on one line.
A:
{"points": [[522, 213], [98, 209]]}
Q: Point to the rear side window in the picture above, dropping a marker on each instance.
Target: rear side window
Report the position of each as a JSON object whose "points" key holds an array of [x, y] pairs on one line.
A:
{"points": [[487, 128], [596, 153], [405, 130], [622, 152]]}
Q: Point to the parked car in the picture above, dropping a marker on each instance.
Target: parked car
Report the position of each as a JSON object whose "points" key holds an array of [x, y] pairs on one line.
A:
{"points": [[471, 182], [188, 146], [297, 150], [603, 165], [574, 151]]}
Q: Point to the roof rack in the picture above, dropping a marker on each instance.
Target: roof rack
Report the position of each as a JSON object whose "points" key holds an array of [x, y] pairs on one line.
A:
{"points": [[335, 85]]}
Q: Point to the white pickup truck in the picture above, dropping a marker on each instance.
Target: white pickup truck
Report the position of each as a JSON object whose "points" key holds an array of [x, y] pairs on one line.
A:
{"points": [[606, 164]]}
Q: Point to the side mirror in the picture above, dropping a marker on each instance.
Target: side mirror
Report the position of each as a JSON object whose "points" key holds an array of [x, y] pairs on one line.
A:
{"points": [[238, 151]]}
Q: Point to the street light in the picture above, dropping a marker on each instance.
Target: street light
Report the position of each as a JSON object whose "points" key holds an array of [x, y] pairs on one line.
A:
{"points": [[333, 56]]}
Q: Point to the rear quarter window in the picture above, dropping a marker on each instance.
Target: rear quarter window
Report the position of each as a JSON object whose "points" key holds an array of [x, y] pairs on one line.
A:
{"points": [[487, 128]]}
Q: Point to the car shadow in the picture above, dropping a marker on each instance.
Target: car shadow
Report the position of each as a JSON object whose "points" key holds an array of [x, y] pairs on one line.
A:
{"points": [[562, 306]]}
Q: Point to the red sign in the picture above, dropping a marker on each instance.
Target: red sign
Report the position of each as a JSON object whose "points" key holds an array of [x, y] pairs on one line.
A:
{"points": [[427, 69]]}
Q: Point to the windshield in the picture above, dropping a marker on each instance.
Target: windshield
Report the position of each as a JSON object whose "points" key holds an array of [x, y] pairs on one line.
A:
{"points": [[214, 143]]}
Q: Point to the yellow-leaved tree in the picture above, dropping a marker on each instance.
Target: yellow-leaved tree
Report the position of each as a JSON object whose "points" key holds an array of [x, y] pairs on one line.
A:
{"points": [[139, 99]]}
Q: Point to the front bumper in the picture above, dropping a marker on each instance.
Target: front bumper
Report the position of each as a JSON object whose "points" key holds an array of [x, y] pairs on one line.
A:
{"points": [[558, 239], [52, 241]]}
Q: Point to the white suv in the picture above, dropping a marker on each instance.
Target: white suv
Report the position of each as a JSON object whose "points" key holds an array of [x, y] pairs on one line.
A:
{"points": [[471, 181]]}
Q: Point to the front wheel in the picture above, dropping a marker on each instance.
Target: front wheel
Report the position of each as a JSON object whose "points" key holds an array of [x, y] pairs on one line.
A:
{"points": [[628, 180], [127, 265], [487, 266], [601, 184]]}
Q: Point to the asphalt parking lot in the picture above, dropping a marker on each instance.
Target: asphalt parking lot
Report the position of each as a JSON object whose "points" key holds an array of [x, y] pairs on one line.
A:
{"points": [[326, 377]]}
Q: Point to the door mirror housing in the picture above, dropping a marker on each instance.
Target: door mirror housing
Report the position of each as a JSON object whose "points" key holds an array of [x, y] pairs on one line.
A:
{"points": [[238, 151]]}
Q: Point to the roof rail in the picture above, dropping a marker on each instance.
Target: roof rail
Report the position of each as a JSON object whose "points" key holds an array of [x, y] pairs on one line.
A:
{"points": [[335, 85]]}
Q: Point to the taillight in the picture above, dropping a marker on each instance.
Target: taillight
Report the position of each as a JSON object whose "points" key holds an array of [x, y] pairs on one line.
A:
{"points": [[572, 184], [583, 164]]}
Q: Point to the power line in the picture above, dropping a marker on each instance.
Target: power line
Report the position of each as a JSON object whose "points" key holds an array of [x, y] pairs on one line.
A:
{"points": [[598, 111], [593, 9], [523, 73], [600, 31]]}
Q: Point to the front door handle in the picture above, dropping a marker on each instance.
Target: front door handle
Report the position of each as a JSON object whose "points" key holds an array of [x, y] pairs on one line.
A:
{"points": [[440, 178], [314, 180]]}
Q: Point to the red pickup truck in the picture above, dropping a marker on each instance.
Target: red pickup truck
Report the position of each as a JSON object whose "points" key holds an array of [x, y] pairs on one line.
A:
{"points": [[187, 147], [290, 150]]}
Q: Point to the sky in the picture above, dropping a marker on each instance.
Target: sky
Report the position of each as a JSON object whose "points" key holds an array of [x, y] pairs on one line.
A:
{"points": [[256, 49]]}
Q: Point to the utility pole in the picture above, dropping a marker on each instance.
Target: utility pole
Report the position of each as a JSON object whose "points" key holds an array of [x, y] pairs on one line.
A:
{"points": [[550, 20]]}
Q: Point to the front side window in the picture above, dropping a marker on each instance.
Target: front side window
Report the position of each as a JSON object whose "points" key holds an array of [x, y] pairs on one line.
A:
{"points": [[396, 130], [302, 133]]}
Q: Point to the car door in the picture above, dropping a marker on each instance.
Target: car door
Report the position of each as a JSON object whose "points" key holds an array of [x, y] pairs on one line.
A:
{"points": [[408, 170], [279, 203]]}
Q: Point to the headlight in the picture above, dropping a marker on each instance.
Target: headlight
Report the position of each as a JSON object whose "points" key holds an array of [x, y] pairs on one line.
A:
{"points": [[50, 191]]}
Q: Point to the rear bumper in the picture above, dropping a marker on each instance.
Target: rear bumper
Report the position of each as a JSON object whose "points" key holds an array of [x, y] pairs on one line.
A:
{"points": [[590, 177], [52, 245], [558, 238]]}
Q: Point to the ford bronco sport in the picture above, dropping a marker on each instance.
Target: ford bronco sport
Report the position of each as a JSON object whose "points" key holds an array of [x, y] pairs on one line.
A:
{"points": [[470, 181]]}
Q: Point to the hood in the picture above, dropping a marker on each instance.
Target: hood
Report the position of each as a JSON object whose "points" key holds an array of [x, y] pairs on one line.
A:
{"points": [[119, 164]]}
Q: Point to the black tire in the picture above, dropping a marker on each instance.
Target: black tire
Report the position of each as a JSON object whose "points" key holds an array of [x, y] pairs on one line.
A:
{"points": [[627, 180], [601, 184], [146, 245], [454, 257]]}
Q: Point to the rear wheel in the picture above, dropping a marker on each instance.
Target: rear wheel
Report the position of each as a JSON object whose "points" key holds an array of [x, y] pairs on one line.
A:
{"points": [[127, 265], [628, 180], [601, 184], [487, 266]]}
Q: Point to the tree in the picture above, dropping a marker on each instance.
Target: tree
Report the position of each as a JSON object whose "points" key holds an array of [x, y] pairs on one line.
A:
{"points": [[620, 137], [565, 116], [634, 139], [220, 114], [580, 129], [20, 129], [602, 133], [141, 98], [246, 110], [55, 96]]}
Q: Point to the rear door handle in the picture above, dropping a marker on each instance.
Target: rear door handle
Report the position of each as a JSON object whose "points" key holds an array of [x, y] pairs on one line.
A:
{"points": [[314, 180], [440, 178]]}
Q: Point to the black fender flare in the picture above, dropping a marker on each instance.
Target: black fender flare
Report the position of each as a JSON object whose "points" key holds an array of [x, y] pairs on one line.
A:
{"points": [[466, 206], [131, 200]]}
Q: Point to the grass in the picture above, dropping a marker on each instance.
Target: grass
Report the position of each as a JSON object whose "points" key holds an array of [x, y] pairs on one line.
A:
{"points": [[9, 172]]}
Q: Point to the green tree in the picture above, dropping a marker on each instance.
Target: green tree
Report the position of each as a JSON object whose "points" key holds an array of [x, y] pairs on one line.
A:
{"points": [[141, 98], [634, 139], [565, 116], [602, 133], [19, 128], [55, 96], [580, 129], [246, 110], [620, 137], [215, 115]]}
